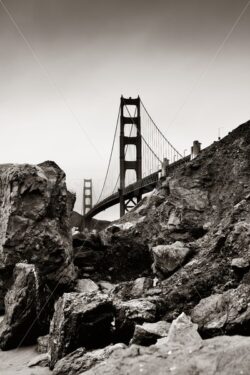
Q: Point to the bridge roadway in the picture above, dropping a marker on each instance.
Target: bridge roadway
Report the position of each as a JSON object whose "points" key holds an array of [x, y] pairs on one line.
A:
{"points": [[143, 186]]}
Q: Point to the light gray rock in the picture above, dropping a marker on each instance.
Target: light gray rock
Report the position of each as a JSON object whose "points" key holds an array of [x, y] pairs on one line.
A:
{"points": [[167, 258], [226, 312], [81, 360], [86, 286], [183, 353], [41, 360], [240, 263]]}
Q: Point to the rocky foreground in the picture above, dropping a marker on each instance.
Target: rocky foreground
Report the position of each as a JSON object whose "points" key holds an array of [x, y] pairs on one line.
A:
{"points": [[164, 290]]}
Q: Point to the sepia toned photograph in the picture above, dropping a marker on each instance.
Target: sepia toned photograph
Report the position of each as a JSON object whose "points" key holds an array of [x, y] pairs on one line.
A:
{"points": [[124, 187]]}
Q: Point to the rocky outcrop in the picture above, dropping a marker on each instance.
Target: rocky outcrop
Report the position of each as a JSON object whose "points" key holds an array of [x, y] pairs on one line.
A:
{"points": [[182, 353], [228, 312], [80, 320], [81, 360], [24, 318], [35, 210]]}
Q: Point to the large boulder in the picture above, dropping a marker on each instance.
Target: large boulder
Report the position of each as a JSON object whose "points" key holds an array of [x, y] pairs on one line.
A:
{"points": [[81, 360], [183, 352], [35, 210], [227, 312], [24, 317], [130, 313], [167, 258], [80, 320]]}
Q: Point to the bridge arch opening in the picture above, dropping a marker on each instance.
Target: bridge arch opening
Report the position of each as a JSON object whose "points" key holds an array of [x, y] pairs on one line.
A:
{"points": [[130, 130], [130, 153], [130, 110], [130, 177]]}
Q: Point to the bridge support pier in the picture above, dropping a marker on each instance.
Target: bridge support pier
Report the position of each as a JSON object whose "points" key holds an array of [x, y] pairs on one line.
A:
{"points": [[125, 141]]}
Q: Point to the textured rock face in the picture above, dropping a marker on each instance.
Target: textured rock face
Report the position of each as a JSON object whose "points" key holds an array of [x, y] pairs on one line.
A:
{"points": [[86, 286], [167, 258], [23, 320], [80, 360], [42, 344], [115, 257], [35, 209], [183, 352], [80, 320], [228, 312], [148, 333], [129, 313], [204, 204]]}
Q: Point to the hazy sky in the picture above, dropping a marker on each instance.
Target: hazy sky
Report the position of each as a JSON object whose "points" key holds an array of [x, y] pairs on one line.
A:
{"points": [[86, 53]]}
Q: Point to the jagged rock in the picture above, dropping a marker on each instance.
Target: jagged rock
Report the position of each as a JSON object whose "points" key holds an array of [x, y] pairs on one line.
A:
{"points": [[240, 263], [106, 286], [42, 344], [228, 312], [148, 333], [35, 210], [80, 320], [81, 360], [130, 313], [167, 258], [183, 352], [132, 289], [23, 320], [223, 355], [86, 286], [181, 329], [41, 360]]}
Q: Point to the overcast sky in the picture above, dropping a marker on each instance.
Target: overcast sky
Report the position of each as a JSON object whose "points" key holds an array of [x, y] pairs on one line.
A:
{"points": [[86, 53]]}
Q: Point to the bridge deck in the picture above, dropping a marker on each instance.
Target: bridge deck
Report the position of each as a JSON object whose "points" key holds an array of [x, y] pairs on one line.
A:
{"points": [[143, 186]]}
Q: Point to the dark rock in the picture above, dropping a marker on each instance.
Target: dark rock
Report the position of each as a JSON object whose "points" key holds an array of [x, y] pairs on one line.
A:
{"points": [[35, 223], [80, 320], [130, 313], [81, 360], [115, 257], [23, 320], [148, 333]]}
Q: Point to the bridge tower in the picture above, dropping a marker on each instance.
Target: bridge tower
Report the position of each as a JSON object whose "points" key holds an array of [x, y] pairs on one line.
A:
{"points": [[87, 195], [136, 165]]}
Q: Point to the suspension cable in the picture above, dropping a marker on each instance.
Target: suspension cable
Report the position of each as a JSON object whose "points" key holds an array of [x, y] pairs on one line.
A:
{"points": [[111, 153], [160, 130]]}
